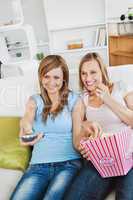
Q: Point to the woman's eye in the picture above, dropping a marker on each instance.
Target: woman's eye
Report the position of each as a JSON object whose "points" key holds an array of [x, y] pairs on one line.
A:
{"points": [[83, 73], [93, 72], [46, 76], [56, 77]]}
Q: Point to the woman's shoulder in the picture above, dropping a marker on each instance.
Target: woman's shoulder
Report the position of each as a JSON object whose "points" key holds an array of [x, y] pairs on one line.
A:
{"points": [[73, 94], [37, 98], [72, 98]]}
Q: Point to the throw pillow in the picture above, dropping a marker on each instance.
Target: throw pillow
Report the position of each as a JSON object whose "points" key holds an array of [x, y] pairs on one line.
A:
{"points": [[12, 154]]}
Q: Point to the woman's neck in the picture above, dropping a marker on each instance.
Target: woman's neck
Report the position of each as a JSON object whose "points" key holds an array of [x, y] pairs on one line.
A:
{"points": [[94, 100], [54, 97]]}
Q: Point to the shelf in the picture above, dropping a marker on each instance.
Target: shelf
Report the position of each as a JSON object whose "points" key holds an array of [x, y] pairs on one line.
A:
{"points": [[122, 53], [77, 26], [118, 21], [79, 50], [10, 27], [27, 46], [18, 18], [128, 36]]}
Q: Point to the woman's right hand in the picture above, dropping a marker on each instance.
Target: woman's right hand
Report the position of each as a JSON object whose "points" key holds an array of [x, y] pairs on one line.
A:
{"points": [[91, 130], [26, 128], [83, 151], [39, 136]]}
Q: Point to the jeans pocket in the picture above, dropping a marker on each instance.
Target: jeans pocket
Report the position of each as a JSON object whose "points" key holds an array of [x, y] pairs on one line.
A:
{"points": [[75, 163], [35, 167]]}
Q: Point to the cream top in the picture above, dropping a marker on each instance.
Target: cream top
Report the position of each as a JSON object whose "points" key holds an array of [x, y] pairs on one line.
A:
{"points": [[103, 115]]}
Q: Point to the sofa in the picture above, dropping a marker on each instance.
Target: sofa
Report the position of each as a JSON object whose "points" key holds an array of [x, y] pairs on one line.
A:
{"points": [[10, 173]]}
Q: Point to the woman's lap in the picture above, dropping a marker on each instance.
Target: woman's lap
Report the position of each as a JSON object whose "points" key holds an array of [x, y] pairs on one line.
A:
{"points": [[39, 178], [89, 185], [62, 181], [124, 187], [32, 184]]}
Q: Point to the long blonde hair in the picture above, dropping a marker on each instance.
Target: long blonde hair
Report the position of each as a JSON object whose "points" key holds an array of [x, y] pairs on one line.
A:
{"points": [[95, 56], [48, 63]]}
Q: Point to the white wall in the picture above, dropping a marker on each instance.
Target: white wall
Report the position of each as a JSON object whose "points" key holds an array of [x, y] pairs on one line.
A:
{"points": [[115, 8], [34, 15], [66, 13]]}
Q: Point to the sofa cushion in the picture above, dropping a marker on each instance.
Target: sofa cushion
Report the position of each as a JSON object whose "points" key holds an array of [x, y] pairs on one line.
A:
{"points": [[12, 154]]}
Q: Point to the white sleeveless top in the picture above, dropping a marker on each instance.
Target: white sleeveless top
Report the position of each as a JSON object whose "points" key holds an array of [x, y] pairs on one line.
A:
{"points": [[103, 115]]}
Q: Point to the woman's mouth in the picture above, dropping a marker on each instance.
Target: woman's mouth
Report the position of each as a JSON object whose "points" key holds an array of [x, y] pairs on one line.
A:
{"points": [[90, 83]]}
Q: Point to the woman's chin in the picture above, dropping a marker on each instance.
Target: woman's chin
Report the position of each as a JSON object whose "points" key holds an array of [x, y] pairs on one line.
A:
{"points": [[91, 88], [52, 92]]}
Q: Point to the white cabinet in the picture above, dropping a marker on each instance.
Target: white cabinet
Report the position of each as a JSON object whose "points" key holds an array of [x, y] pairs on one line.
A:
{"points": [[76, 22]]}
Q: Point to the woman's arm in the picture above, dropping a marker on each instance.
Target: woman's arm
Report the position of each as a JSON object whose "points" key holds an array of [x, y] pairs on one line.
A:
{"points": [[77, 117], [124, 113], [27, 121], [83, 129], [28, 118]]}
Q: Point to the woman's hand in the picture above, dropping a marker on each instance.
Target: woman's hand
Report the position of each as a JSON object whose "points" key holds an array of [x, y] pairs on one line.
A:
{"points": [[103, 92], [39, 136], [83, 151], [91, 130]]}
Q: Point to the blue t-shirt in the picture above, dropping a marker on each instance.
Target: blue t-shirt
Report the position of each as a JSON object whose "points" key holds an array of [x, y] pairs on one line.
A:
{"points": [[56, 145]]}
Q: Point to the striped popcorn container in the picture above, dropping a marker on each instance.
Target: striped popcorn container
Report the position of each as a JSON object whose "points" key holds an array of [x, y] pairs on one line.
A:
{"points": [[112, 155]]}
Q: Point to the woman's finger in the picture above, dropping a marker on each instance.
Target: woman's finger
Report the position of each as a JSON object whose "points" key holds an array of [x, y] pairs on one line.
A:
{"points": [[39, 136]]}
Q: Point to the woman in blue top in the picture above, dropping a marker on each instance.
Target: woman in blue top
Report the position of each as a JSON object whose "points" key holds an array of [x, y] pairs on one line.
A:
{"points": [[54, 162]]}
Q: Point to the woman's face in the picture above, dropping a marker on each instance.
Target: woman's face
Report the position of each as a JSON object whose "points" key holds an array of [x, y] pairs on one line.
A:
{"points": [[53, 81], [91, 75]]}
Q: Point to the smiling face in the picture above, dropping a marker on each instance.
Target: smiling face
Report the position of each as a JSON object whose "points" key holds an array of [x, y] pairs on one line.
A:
{"points": [[91, 75], [52, 81]]}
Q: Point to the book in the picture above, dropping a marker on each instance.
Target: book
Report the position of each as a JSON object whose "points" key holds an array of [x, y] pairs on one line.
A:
{"points": [[96, 37], [101, 40]]}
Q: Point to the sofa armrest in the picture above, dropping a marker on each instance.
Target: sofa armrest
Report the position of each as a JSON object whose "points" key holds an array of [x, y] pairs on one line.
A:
{"points": [[8, 181]]}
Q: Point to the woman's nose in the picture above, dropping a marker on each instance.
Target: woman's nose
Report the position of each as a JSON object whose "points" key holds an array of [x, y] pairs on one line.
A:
{"points": [[52, 82], [88, 77]]}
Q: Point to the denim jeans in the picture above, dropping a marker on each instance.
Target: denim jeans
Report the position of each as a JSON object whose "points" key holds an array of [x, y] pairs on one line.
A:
{"points": [[89, 185], [46, 181]]}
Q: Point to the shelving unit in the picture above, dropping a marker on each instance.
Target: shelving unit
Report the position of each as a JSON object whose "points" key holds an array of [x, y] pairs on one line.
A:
{"points": [[27, 30], [76, 23], [121, 49], [88, 34]]}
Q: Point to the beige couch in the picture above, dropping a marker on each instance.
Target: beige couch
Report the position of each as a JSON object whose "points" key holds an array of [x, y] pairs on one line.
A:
{"points": [[9, 178]]}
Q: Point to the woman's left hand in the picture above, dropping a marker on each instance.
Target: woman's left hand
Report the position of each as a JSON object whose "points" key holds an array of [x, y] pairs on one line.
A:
{"points": [[103, 91]]}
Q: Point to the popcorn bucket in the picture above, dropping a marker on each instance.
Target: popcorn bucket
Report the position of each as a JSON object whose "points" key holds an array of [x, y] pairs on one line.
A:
{"points": [[112, 155]]}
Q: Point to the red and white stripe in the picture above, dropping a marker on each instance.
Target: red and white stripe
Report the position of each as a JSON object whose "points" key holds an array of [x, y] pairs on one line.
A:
{"points": [[110, 155]]}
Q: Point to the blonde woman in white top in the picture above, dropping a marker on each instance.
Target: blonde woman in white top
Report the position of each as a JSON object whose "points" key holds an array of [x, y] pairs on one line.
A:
{"points": [[111, 105]]}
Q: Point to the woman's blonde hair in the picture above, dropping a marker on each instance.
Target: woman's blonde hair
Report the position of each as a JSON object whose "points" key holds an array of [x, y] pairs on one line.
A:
{"points": [[94, 56], [47, 64]]}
